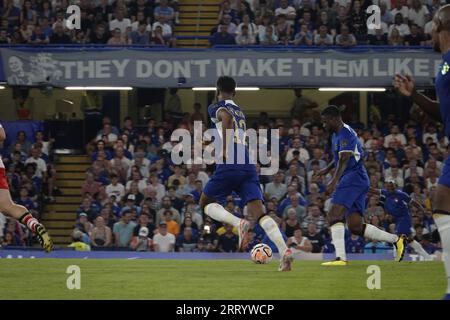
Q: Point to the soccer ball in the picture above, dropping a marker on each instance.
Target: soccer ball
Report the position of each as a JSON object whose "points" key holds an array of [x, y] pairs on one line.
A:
{"points": [[261, 254]]}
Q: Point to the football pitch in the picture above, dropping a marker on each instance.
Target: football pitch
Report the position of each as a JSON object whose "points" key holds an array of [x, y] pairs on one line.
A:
{"points": [[216, 279]]}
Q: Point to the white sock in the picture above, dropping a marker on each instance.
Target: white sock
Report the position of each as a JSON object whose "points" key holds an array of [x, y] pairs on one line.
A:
{"points": [[374, 233], [338, 237], [419, 249], [443, 224], [217, 212], [273, 232]]}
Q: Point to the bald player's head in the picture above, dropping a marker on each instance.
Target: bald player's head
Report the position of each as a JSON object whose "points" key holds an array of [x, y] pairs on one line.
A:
{"points": [[441, 29]]}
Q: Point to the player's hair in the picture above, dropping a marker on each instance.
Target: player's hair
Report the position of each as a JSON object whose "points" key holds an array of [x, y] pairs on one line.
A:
{"points": [[226, 84], [331, 111], [442, 19]]}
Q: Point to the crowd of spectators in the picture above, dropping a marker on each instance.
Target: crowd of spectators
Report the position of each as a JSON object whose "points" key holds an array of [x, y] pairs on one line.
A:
{"points": [[118, 22], [324, 22], [135, 198], [31, 177], [242, 22]]}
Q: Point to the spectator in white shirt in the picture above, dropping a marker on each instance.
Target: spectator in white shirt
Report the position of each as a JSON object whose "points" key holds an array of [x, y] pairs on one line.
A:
{"points": [[41, 166], [276, 189], [115, 188], [430, 133], [251, 27], [140, 18], [244, 38], [296, 146], [136, 178], [417, 13], [399, 24], [286, 10], [232, 28], [163, 241], [166, 28], [120, 22], [395, 135], [107, 135]]}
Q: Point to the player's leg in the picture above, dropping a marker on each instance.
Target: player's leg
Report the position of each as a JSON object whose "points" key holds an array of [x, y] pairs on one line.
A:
{"points": [[418, 248], [218, 187], [441, 216], [336, 221], [357, 226], [250, 192], [20, 213], [217, 211]]}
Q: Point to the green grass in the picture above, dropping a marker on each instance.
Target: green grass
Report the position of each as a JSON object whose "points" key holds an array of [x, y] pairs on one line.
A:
{"points": [[216, 279]]}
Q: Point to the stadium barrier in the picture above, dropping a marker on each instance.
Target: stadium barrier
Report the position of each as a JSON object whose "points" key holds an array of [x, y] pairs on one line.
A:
{"points": [[72, 254], [159, 67]]}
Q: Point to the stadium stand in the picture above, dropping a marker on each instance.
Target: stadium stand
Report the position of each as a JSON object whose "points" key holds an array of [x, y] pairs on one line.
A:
{"points": [[127, 178]]}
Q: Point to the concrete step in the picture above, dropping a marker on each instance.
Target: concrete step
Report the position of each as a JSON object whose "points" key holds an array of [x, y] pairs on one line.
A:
{"points": [[202, 15], [192, 33], [69, 216], [61, 207], [63, 167], [69, 183], [203, 42], [186, 20], [68, 199], [70, 175], [196, 9], [71, 191], [56, 224], [74, 159], [194, 28]]}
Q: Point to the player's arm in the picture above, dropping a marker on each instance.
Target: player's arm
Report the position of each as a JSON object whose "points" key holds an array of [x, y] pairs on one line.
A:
{"points": [[326, 170], [227, 124], [344, 158], [406, 86], [2, 133]]}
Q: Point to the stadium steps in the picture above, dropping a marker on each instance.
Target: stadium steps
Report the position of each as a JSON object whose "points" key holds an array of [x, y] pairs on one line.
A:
{"points": [[197, 18], [59, 217]]}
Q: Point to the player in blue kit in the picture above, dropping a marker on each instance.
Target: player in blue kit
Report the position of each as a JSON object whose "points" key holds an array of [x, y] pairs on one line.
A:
{"points": [[349, 187], [237, 174], [440, 111], [396, 203]]}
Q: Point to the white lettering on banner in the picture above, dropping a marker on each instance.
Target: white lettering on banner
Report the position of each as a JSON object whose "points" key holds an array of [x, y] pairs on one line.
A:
{"points": [[144, 69], [264, 67], [88, 68], [358, 68], [318, 67], [226, 67], [120, 67], [340, 68], [401, 66], [421, 68], [284, 67], [305, 62], [202, 66], [67, 65], [102, 69], [181, 69], [376, 69], [246, 69], [163, 69]]}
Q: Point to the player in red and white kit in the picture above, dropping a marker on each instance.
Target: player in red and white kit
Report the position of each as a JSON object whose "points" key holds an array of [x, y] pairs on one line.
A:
{"points": [[18, 212]]}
